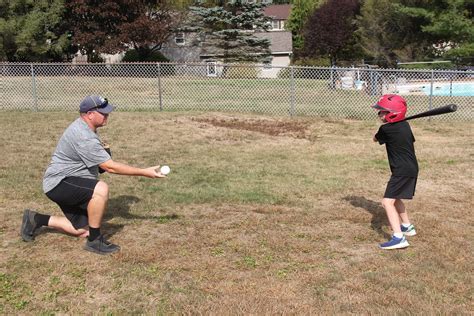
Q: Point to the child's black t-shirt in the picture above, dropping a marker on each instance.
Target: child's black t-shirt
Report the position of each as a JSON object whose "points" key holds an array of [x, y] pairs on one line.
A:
{"points": [[399, 140]]}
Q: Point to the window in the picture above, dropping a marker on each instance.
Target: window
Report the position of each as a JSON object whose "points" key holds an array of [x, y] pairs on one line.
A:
{"points": [[277, 24], [211, 69], [179, 38]]}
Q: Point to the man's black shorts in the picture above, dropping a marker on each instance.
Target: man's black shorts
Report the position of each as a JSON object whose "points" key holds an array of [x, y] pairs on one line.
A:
{"points": [[72, 195], [400, 187]]}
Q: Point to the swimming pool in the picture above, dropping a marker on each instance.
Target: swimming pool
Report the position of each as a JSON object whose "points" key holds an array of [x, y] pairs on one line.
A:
{"points": [[454, 89]]}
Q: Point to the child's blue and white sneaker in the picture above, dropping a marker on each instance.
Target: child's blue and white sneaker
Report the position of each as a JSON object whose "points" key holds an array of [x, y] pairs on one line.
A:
{"points": [[395, 243], [408, 230]]}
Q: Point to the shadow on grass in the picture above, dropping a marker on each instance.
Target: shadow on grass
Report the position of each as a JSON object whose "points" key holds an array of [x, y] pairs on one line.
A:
{"points": [[120, 207], [379, 217]]}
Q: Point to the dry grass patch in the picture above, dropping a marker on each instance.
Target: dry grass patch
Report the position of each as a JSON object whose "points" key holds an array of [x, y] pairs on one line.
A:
{"points": [[260, 215]]}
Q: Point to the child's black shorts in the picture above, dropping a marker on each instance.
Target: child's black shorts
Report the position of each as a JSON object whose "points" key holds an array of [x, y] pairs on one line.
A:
{"points": [[72, 195], [400, 187]]}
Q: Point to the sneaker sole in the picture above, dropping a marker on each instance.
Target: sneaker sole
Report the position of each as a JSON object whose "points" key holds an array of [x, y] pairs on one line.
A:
{"points": [[409, 234], [397, 246], [24, 236], [99, 252]]}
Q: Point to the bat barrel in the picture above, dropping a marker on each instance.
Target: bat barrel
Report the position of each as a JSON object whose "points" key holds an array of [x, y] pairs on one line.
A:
{"points": [[449, 108]]}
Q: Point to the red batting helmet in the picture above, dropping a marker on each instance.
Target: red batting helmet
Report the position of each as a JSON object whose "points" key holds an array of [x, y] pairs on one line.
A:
{"points": [[395, 105]]}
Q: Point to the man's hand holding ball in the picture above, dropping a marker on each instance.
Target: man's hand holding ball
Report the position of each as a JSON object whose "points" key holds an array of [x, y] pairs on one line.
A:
{"points": [[160, 171]]}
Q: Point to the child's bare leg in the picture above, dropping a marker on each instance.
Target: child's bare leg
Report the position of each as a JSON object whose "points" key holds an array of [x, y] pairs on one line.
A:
{"points": [[392, 214], [398, 240], [401, 211]]}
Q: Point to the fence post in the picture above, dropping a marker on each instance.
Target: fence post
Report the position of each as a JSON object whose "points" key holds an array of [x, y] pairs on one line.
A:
{"points": [[33, 84], [431, 90], [451, 85], [332, 84], [292, 91], [159, 87], [372, 82]]}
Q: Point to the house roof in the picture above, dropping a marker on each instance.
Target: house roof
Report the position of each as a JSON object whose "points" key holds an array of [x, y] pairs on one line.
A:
{"points": [[280, 42], [278, 11]]}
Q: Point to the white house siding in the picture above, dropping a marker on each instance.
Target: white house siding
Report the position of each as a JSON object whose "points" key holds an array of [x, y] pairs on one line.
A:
{"points": [[277, 63], [281, 46]]}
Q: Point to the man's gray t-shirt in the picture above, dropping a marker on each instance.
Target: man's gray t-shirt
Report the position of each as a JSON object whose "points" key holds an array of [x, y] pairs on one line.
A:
{"points": [[78, 154]]}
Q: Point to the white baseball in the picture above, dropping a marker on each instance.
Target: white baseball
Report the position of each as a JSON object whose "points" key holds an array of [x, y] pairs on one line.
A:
{"points": [[165, 170]]}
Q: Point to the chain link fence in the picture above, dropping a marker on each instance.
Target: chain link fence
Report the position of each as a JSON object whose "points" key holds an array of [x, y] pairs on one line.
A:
{"points": [[298, 91]]}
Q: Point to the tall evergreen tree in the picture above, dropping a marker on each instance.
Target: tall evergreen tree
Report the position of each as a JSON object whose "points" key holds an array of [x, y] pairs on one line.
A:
{"points": [[228, 31]]}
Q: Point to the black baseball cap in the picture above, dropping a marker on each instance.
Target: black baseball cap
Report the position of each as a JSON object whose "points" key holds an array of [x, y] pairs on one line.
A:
{"points": [[96, 103]]}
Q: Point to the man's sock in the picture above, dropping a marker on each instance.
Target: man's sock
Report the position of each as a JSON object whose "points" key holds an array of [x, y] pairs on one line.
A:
{"points": [[405, 225], [93, 233], [42, 220]]}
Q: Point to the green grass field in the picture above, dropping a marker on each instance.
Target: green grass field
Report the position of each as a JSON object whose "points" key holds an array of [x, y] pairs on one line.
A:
{"points": [[259, 215]]}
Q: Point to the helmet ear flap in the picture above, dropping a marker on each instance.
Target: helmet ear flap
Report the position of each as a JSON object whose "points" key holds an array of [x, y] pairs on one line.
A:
{"points": [[390, 117], [394, 117]]}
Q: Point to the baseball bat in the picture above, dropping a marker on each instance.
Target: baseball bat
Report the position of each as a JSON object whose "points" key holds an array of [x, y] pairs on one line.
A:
{"points": [[441, 110]]}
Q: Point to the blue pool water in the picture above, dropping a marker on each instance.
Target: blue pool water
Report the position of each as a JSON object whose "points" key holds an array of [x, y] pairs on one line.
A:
{"points": [[454, 89]]}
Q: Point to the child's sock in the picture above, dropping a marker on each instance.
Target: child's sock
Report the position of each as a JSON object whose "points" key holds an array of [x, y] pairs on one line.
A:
{"points": [[405, 225], [398, 235]]}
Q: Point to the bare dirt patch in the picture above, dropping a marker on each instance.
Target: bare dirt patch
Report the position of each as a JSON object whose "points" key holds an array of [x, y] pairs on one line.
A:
{"points": [[288, 128]]}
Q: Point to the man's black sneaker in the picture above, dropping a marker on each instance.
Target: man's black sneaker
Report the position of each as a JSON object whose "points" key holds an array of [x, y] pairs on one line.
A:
{"points": [[28, 225], [101, 246]]}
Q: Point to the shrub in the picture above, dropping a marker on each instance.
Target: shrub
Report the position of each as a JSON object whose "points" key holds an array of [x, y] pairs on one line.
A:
{"points": [[315, 62], [145, 56]]}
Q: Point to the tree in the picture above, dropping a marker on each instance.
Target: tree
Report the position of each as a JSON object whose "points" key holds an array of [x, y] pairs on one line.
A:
{"points": [[300, 11], [31, 30], [329, 31], [386, 35], [92, 24], [148, 25], [415, 30], [228, 32], [448, 23], [114, 26]]}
